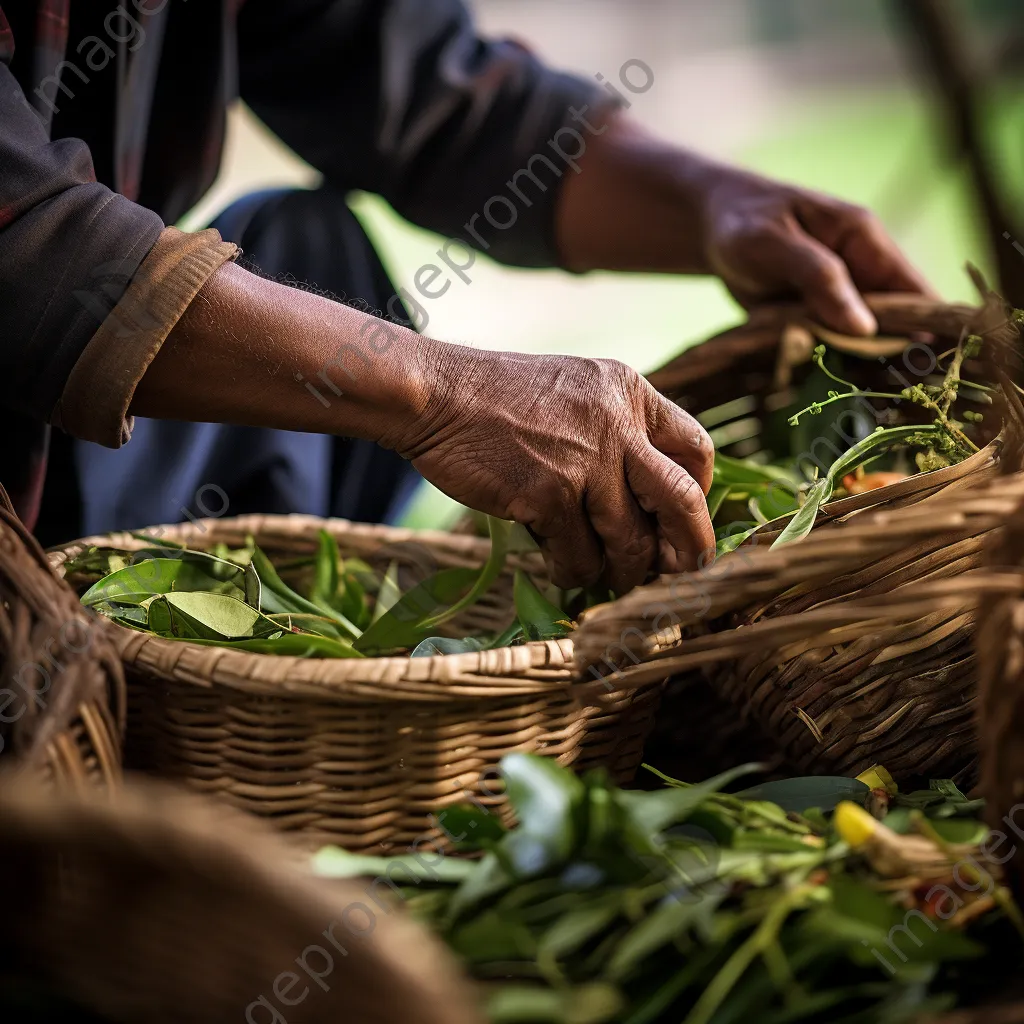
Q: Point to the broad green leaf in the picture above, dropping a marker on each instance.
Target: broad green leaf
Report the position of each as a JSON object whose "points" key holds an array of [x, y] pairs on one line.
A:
{"points": [[540, 619], [802, 523], [408, 869], [209, 617], [404, 625], [823, 792], [278, 597], [388, 595], [546, 798], [185, 571], [470, 826], [438, 645]]}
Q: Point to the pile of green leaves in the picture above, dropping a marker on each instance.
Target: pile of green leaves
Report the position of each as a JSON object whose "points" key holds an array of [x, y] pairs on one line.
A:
{"points": [[238, 598], [748, 495], [683, 904]]}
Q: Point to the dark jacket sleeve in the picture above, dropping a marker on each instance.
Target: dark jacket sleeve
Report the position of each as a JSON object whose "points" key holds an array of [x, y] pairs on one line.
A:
{"points": [[403, 98], [68, 249]]}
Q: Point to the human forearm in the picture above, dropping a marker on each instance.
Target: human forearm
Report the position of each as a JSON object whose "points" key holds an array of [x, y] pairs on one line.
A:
{"points": [[640, 203], [636, 204], [609, 475], [259, 353]]}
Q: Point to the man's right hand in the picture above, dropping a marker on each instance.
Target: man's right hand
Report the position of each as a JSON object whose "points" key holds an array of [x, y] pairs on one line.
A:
{"points": [[608, 475]]}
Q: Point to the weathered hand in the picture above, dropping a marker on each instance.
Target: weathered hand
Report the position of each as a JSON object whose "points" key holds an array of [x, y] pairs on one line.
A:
{"points": [[767, 240], [608, 475]]}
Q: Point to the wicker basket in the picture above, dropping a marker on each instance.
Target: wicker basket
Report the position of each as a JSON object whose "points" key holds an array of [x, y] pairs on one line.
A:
{"points": [[63, 687], [362, 752], [744, 383], [159, 907], [851, 647], [1001, 691]]}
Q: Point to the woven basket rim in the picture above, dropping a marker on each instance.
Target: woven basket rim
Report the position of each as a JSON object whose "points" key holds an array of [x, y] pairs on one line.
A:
{"points": [[537, 667]]}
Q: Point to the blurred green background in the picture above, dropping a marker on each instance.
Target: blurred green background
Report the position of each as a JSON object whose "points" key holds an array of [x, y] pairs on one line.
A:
{"points": [[818, 92]]}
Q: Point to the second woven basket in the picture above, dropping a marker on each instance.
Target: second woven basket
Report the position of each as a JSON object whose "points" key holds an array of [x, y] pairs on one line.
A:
{"points": [[364, 752]]}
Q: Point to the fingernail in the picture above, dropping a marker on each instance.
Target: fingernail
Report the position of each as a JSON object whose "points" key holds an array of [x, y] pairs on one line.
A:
{"points": [[861, 318]]}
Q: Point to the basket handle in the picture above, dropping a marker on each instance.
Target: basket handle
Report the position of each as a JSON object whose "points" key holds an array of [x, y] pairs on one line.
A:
{"points": [[5, 501]]}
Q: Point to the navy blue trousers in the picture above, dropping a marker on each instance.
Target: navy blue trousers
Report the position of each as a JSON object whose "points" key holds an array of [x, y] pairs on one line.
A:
{"points": [[171, 470]]}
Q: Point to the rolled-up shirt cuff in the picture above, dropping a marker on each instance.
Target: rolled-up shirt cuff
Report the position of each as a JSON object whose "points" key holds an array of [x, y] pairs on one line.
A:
{"points": [[95, 401]]}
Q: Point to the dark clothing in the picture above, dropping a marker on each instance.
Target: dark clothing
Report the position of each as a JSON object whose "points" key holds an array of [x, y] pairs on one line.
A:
{"points": [[112, 123], [174, 470]]}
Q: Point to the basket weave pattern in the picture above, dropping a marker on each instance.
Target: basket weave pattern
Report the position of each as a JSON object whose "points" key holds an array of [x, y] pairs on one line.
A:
{"points": [[363, 751], [851, 647], [62, 679]]}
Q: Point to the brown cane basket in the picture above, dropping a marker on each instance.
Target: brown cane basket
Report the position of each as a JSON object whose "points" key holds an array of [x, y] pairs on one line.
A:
{"points": [[158, 907], [743, 384], [63, 693], [845, 647], [362, 752]]}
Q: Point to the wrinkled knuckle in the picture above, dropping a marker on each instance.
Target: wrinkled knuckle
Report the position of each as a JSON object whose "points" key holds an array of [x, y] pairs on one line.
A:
{"points": [[860, 217]]}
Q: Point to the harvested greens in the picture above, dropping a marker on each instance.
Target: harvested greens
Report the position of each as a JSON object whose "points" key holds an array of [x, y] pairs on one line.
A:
{"points": [[748, 495], [238, 598], [788, 902]]}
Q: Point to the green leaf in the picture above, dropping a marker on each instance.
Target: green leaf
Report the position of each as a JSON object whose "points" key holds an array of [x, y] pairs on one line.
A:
{"points": [[802, 523], [439, 645], [491, 937], [500, 530], [716, 496], [488, 879], [319, 624], [325, 573], [592, 1003], [278, 597], [404, 625], [732, 472], [209, 617], [656, 810], [546, 798], [540, 619], [291, 645], [186, 571], [511, 635], [470, 826], [388, 595], [334, 862], [669, 920], [822, 791], [578, 926], [352, 601]]}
